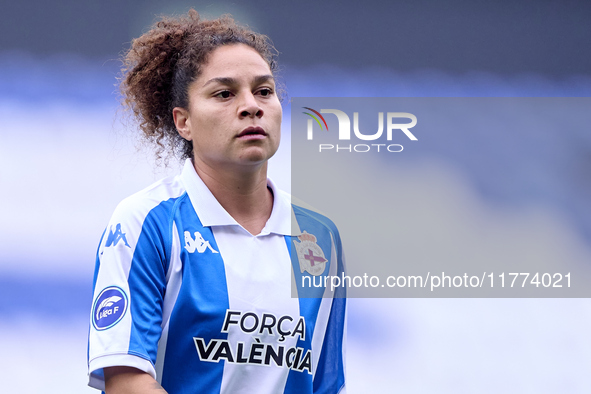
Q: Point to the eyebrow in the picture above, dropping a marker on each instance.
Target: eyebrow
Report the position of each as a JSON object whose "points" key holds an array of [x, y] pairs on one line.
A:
{"points": [[233, 81]]}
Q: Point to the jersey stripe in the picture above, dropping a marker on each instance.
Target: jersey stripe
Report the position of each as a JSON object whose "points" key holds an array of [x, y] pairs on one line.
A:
{"points": [[147, 282], [201, 303], [174, 281]]}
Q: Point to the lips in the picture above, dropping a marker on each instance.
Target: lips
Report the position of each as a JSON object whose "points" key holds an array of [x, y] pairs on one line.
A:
{"points": [[252, 131]]}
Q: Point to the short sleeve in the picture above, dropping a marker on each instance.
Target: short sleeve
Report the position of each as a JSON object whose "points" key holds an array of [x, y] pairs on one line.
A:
{"points": [[129, 287]]}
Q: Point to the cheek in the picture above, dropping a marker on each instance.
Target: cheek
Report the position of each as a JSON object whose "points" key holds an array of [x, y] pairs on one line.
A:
{"points": [[208, 126], [277, 112]]}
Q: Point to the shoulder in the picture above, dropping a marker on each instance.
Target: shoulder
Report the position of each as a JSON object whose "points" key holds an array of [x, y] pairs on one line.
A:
{"points": [[148, 212], [142, 222], [156, 199], [305, 212]]}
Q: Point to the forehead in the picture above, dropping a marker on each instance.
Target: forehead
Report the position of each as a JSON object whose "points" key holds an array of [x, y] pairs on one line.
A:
{"points": [[233, 60]]}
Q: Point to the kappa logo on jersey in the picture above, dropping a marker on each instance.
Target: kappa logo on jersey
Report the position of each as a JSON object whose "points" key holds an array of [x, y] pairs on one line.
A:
{"points": [[198, 244], [310, 254], [109, 308], [115, 236]]}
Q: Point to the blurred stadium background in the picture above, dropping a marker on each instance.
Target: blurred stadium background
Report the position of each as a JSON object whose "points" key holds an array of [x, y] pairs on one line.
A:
{"points": [[67, 157]]}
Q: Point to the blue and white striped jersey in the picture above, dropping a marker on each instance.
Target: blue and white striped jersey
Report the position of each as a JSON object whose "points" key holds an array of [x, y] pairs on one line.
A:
{"points": [[184, 293]]}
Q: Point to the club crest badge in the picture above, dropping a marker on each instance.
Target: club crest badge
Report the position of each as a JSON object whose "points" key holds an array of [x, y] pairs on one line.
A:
{"points": [[310, 254]]}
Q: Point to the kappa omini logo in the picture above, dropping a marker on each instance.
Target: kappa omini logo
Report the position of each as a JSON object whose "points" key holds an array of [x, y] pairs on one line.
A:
{"points": [[310, 254], [115, 236], [198, 244], [109, 308]]}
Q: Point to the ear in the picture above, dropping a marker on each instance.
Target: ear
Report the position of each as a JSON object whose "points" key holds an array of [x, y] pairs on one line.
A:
{"points": [[182, 122]]}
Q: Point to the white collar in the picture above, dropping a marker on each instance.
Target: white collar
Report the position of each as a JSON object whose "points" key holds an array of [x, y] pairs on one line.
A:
{"points": [[211, 213]]}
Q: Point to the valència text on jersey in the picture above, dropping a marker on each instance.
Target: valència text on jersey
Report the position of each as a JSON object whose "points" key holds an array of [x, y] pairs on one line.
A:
{"points": [[257, 353]]}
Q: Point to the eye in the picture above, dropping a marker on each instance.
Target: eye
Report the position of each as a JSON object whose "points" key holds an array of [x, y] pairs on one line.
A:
{"points": [[224, 94], [265, 92]]}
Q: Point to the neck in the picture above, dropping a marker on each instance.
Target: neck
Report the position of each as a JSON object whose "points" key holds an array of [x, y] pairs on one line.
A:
{"points": [[243, 194]]}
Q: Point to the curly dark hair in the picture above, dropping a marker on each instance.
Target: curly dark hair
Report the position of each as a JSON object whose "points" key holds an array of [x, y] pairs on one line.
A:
{"points": [[162, 63]]}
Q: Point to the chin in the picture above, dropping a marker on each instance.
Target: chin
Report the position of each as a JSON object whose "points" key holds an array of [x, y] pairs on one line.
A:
{"points": [[259, 157], [253, 161]]}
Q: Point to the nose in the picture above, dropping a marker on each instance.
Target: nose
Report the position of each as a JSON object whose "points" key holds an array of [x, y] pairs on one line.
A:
{"points": [[249, 107]]}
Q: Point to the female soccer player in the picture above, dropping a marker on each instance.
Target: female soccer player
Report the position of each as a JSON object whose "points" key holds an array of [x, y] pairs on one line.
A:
{"points": [[192, 288]]}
